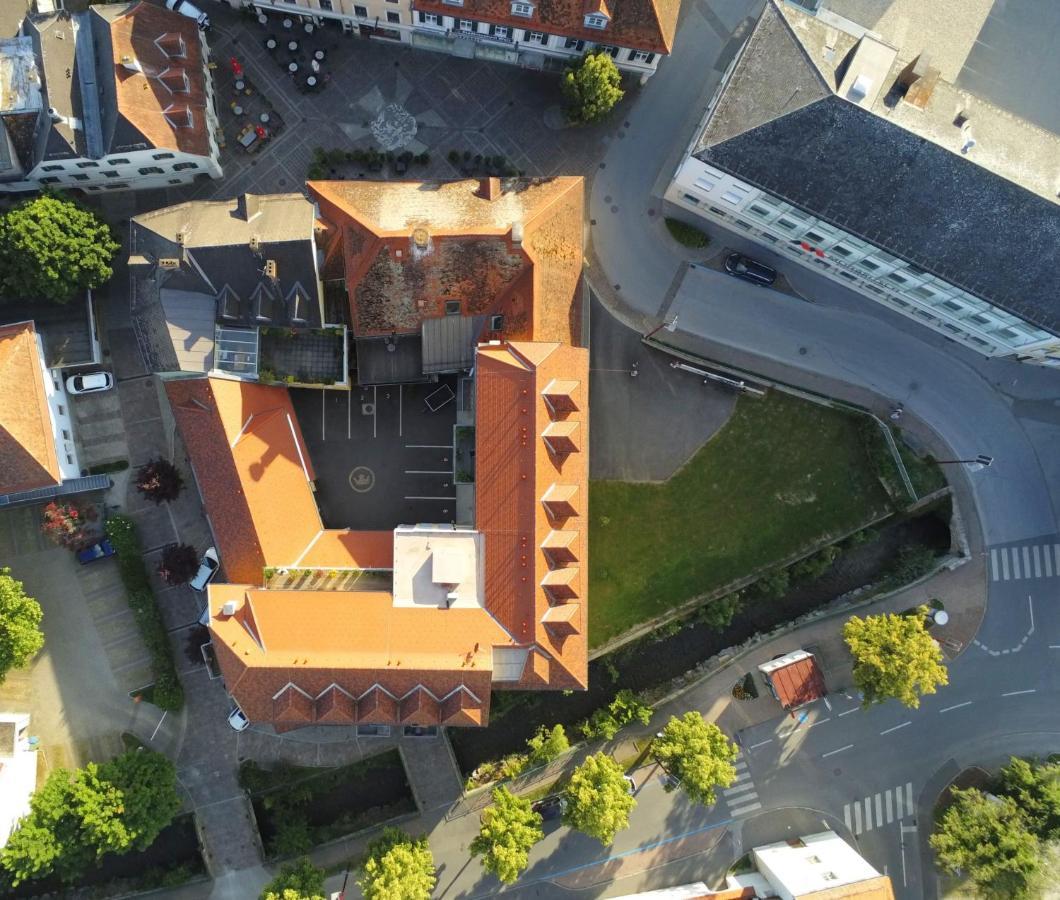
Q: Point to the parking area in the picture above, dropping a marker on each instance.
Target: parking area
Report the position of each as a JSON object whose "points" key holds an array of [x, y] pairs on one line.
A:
{"points": [[383, 456]]}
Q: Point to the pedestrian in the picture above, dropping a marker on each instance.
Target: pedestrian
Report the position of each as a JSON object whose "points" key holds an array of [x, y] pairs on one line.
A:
{"points": [[633, 373]]}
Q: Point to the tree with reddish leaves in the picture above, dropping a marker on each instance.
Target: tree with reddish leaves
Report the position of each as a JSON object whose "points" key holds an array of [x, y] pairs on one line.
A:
{"points": [[68, 525], [179, 564], [159, 480]]}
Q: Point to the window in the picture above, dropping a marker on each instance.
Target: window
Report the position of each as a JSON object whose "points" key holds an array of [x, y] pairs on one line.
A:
{"points": [[393, 18], [49, 179], [175, 181], [980, 319], [869, 265], [786, 224], [452, 307], [596, 21], [150, 170], [66, 435], [574, 44], [110, 173], [840, 250], [179, 167], [849, 276], [522, 9], [77, 176], [361, 11], [608, 49], [496, 323], [500, 32], [162, 156], [61, 408], [813, 237], [535, 37], [691, 199], [88, 165], [897, 279], [117, 162], [115, 187], [51, 168], [735, 195], [705, 184], [640, 56], [326, 5], [428, 18], [466, 25], [758, 210]]}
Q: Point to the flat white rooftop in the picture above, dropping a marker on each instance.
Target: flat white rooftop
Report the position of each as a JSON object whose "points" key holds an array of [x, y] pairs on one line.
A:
{"points": [[438, 566]]}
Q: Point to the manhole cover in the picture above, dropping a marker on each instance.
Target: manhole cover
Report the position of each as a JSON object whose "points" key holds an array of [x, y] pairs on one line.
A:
{"points": [[362, 479], [367, 409]]}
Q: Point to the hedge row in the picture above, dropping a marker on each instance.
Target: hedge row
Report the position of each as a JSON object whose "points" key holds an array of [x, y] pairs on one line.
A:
{"points": [[167, 693]]}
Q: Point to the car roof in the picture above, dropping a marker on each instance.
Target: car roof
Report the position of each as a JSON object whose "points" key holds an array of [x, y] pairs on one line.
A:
{"points": [[94, 378]]}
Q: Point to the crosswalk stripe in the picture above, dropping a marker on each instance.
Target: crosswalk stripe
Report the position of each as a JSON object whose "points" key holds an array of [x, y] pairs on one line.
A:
{"points": [[1037, 561], [743, 810], [993, 564], [868, 813], [890, 811], [857, 817], [739, 789], [1004, 565], [879, 810], [1047, 559], [1056, 551], [1026, 562], [909, 797], [846, 816], [1016, 563]]}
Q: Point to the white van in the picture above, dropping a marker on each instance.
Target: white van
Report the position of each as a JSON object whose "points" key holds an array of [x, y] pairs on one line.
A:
{"points": [[191, 11]]}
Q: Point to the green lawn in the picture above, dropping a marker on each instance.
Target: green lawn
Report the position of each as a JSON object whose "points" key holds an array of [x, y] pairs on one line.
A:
{"points": [[782, 474]]}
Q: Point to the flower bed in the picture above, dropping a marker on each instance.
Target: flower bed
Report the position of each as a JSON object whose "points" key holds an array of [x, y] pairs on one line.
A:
{"points": [[166, 692]]}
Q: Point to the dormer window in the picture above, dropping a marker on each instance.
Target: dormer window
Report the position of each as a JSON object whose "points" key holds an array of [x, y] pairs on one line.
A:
{"points": [[523, 9], [595, 20]]}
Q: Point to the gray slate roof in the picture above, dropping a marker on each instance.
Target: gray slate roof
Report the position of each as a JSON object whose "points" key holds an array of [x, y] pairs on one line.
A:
{"points": [[217, 258], [852, 168]]}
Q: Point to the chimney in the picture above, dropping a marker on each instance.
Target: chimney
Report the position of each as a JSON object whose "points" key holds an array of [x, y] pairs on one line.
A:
{"points": [[270, 269], [517, 234], [489, 188]]}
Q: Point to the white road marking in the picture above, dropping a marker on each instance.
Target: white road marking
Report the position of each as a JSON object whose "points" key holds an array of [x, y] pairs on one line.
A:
{"points": [[817, 722], [956, 706], [895, 728], [428, 447], [849, 711], [375, 408], [427, 472], [1016, 563], [993, 564], [898, 803], [159, 725], [1027, 561], [349, 415], [1054, 646], [1047, 558], [890, 810], [401, 407], [846, 816], [743, 810], [1004, 565], [740, 789], [833, 752], [1030, 607], [430, 498], [1056, 551], [868, 813], [857, 818], [879, 810], [1037, 562], [760, 744], [909, 797], [1017, 693], [323, 416]]}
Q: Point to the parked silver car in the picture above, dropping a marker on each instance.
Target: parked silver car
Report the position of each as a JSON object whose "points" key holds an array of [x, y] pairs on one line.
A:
{"points": [[89, 383]]}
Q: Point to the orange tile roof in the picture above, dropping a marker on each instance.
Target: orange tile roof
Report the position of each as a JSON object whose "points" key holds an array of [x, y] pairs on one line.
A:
{"points": [[346, 549], [156, 99], [312, 640], [879, 888], [27, 442], [634, 24]]}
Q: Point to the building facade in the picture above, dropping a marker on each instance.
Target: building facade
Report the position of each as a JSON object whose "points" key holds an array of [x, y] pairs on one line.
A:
{"points": [[866, 176], [637, 34], [116, 98]]}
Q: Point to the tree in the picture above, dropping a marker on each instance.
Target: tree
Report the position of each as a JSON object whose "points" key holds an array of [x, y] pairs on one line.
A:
{"points": [[79, 816], [159, 480], [591, 88], [987, 837], [894, 656], [509, 829], [179, 564], [1036, 790], [67, 525], [623, 709], [300, 880], [546, 745], [698, 754], [397, 867], [20, 634], [598, 798], [53, 248]]}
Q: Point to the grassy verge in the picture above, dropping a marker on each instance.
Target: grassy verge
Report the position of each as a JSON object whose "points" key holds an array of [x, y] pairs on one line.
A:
{"points": [[686, 235], [167, 692], [782, 475]]}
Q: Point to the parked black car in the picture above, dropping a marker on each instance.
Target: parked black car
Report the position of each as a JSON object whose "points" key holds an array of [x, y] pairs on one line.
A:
{"points": [[550, 807], [740, 266]]}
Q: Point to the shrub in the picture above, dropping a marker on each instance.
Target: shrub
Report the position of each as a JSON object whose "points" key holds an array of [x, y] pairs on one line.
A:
{"points": [[604, 724], [68, 525], [686, 235], [168, 693], [813, 567], [160, 481], [719, 613], [774, 584], [546, 745], [179, 564]]}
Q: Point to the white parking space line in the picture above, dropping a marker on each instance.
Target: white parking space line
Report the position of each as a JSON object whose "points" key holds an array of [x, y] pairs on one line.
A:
{"points": [[849, 711], [834, 752], [323, 416], [426, 472], [1017, 693], [760, 744], [895, 728], [349, 415], [430, 498], [375, 408], [401, 411], [428, 447], [956, 706]]}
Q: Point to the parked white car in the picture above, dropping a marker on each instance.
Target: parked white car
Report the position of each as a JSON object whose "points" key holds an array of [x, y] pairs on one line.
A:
{"points": [[207, 569], [238, 719], [89, 383]]}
